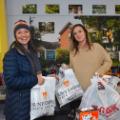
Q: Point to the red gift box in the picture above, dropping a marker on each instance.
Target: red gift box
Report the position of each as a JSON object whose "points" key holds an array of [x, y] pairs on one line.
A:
{"points": [[89, 115]]}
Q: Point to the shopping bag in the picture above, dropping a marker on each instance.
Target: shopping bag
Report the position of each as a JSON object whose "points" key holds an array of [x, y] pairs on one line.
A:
{"points": [[43, 98], [68, 87], [111, 80], [103, 97]]}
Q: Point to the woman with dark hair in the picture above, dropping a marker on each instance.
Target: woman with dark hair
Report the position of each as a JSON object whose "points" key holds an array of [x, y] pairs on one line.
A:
{"points": [[86, 58], [21, 70]]}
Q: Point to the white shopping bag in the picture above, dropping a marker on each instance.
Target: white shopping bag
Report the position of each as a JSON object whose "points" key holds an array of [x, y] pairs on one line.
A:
{"points": [[68, 88], [43, 98], [104, 97], [111, 80]]}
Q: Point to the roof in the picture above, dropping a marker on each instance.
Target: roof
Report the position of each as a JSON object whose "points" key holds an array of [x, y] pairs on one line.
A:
{"points": [[65, 27], [47, 45]]}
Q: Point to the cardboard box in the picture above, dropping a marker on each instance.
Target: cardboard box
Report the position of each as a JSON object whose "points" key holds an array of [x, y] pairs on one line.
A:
{"points": [[89, 115]]}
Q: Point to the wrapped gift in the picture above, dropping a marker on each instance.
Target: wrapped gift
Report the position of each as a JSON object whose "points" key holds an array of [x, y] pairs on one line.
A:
{"points": [[89, 115]]}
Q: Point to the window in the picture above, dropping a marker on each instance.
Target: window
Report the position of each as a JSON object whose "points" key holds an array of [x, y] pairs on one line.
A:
{"points": [[50, 55]]}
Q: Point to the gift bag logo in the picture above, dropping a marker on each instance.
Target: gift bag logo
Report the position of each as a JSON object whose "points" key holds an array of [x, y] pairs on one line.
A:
{"points": [[45, 94], [66, 83]]}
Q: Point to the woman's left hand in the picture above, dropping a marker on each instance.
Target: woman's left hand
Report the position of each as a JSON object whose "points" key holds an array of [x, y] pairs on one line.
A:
{"points": [[41, 80]]}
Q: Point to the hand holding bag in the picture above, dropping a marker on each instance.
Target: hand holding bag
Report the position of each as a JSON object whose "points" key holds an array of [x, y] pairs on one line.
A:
{"points": [[104, 97], [43, 98], [68, 88]]}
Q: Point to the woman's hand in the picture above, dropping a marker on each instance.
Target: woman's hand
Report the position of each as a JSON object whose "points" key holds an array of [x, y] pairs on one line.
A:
{"points": [[40, 78], [98, 74]]}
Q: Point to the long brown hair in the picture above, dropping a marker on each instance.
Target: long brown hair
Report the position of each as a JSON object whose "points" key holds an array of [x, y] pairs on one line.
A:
{"points": [[20, 47], [74, 42]]}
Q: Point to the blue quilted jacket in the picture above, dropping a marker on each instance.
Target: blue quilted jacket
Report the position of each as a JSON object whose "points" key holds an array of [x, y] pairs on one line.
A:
{"points": [[19, 79]]}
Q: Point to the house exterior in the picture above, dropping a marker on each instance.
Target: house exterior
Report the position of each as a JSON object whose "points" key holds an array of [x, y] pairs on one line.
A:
{"points": [[47, 49], [64, 39]]}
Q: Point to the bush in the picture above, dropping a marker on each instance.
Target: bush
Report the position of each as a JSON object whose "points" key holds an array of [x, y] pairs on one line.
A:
{"points": [[62, 56]]}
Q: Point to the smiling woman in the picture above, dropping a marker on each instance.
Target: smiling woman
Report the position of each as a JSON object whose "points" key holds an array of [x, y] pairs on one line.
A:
{"points": [[23, 36], [87, 58], [21, 70]]}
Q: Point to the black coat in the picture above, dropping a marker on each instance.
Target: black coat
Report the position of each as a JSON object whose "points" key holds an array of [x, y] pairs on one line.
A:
{"points": [[19, 79]]}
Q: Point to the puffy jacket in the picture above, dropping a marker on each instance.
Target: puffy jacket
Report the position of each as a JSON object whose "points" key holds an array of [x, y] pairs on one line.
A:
{"points": [[19, 79]]}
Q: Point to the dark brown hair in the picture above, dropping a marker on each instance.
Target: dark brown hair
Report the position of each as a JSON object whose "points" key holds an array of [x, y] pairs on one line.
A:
{"points": [[75, 43], [20, 47]]}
